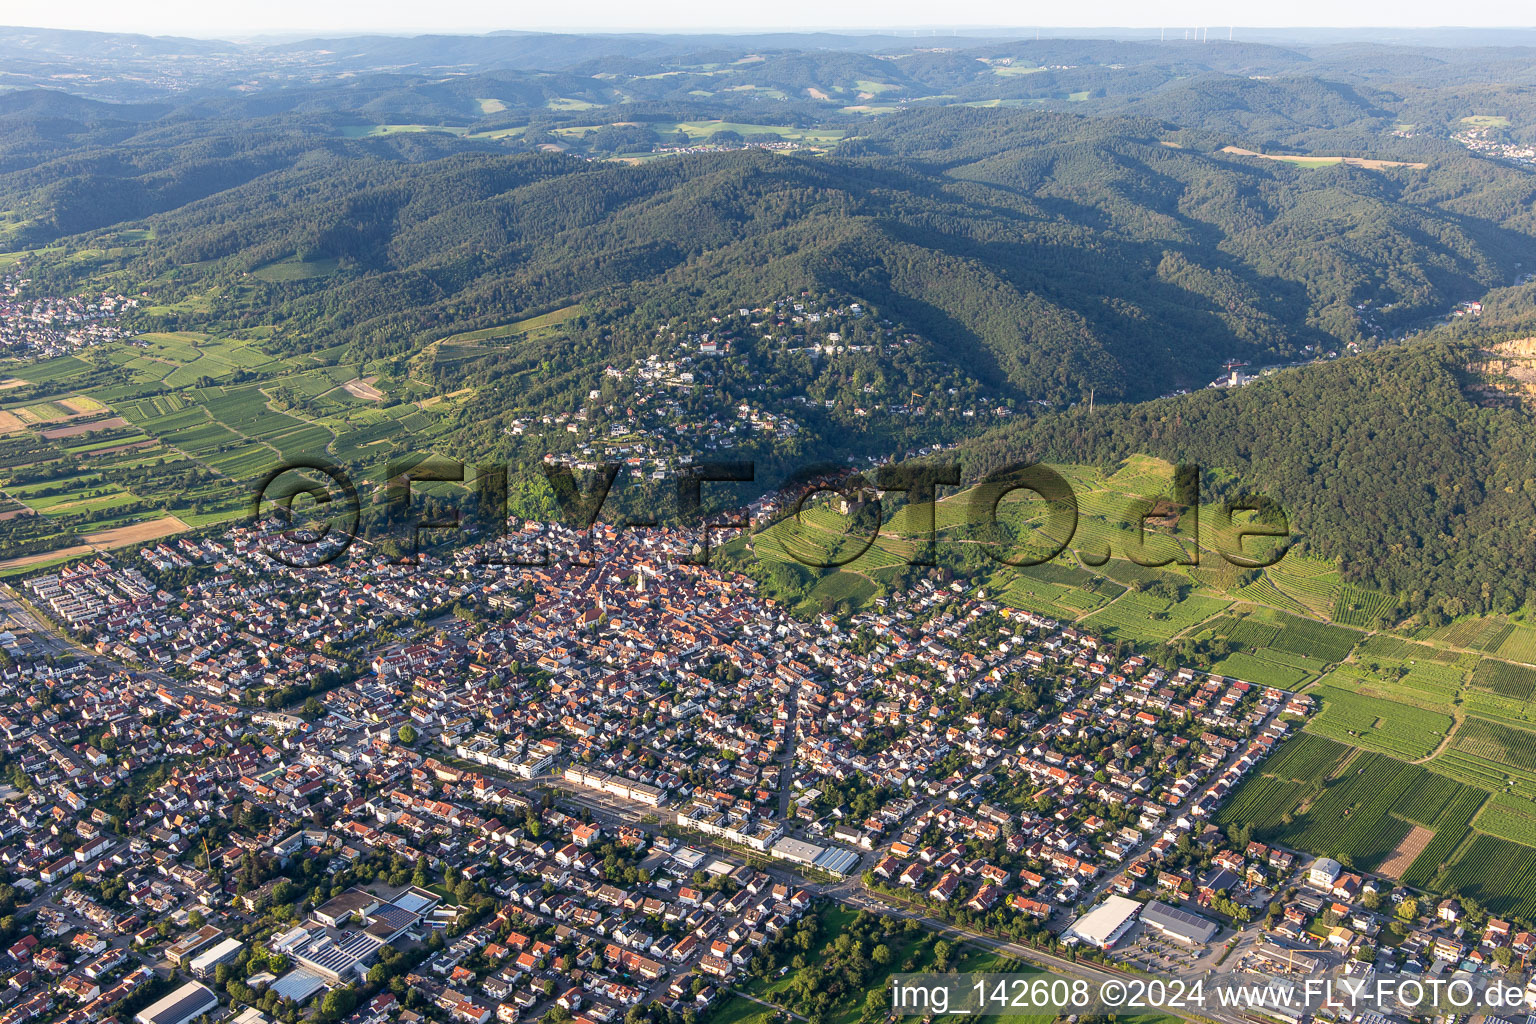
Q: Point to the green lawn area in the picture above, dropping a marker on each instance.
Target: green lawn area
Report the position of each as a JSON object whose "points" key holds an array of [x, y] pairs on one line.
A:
{"points": [[295, 269], [379, 131]]}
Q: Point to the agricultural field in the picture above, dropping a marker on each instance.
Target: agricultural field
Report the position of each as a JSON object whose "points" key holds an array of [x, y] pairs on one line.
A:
{"points": [[1511, 682], [517, 328], [1496, 743], [1262, 671], [1147, 618], [1519, 644], [1366, 609], [1499, 874], [177, 424], [295, 269], [1365, 809], [1375, 723], [1506, 816], [379, 131], [1450, 828]]}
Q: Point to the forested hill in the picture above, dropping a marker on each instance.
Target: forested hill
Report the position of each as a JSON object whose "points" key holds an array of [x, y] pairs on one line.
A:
{"points": [[1381, 461], [1048, 253]]}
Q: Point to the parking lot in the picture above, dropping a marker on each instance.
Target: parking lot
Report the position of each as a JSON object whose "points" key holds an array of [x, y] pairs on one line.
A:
{"points": [[1144, 948]]}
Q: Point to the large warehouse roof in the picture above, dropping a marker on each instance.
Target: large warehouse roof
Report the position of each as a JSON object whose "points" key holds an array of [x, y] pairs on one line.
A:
{"points": [[1104, 924], [837, 860], [1177, 923]]}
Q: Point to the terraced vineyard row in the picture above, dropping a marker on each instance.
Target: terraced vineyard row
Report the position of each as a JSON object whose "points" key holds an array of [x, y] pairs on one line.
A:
{"points": [[1364, 608], [1266, 799], [1306, 758], [1509, 817], [1350, 820], [1499, 743], [1513, 682]]}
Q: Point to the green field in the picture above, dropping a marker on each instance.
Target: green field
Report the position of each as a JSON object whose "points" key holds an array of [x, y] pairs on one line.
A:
{"points": [[379, 131], [1497, 873], [295, 269], [516, 328], [205, 414], [1391, 727], [1498, 743], [1510, 817]]}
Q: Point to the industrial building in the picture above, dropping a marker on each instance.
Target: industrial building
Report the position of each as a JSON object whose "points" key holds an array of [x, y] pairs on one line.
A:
{"points": [[204, 964], [1179, 924]]}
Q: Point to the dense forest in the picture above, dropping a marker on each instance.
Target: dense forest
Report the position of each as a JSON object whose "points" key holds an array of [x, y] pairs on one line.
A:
{"points": [[1383, 462], [1050, 254]]}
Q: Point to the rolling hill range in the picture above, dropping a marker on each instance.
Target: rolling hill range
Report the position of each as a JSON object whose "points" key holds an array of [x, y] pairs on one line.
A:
{"points": [[1051, 254]]}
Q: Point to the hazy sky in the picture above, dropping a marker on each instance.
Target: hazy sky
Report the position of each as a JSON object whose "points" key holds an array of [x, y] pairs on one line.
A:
{"points": [[212, 17]]}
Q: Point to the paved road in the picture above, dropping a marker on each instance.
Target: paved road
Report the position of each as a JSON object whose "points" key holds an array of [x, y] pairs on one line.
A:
{"points": [[38, 632]]}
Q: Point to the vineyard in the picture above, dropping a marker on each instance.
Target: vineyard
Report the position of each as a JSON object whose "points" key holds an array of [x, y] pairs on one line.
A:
{"points": [[1314, 639], [1518, 645], [1363, 608], [1263, 671], [1145, 617], [1501, 744], [1513, 682], [1248, 634], [1497, 873], [1261, 800], [1402, 730], [1306, 758], [1427, 797], [1350, 820], [1305, 581], [1360, 815], [1450, 825], [1509, 817], [1480, 772]]}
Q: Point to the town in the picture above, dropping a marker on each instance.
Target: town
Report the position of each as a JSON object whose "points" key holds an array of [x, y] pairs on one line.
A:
{"points": [[614, 784], [747, 380], [40, 328]]}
